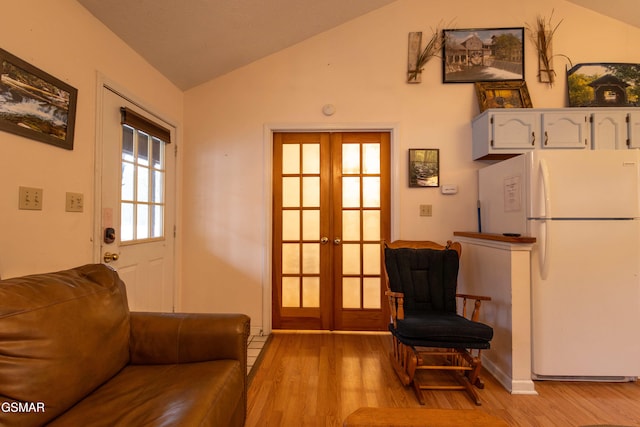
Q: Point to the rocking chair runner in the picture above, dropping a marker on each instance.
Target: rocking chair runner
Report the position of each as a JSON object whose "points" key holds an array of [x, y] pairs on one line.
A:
{"points": [[427, 331]]}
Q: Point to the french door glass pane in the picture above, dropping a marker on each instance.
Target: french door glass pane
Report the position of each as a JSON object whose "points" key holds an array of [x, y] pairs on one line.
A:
{"points": [[311, 292], [371, 294], [290, 158], [311, 158], [351, 192], [371, 258], [290, 192], [371, 159], [351, 292], [311, 224], [350, 158], [371, 191], [291, 225], [371, 225], [310, 258], [351, 225], [291, 292], [290, 258], [350, 258], [311, 191]]}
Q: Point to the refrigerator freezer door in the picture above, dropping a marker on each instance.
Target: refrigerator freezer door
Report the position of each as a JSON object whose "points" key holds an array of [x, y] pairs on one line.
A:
{"points": [[586, 312], [503, 195], [584, 184]]}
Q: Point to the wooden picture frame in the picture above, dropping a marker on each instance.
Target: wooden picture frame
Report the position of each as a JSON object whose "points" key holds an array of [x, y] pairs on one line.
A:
{"points": [[483, 54], [503, 95], [424, 167], [35, 104]]}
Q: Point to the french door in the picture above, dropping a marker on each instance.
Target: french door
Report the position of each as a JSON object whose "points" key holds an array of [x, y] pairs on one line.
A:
{"points": [[331, 207]]}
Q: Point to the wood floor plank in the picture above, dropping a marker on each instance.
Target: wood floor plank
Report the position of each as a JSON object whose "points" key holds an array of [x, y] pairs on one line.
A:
{"points": [[318, 379]]}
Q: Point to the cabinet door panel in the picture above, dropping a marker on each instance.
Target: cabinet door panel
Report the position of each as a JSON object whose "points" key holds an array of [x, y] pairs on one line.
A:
{"points": [[514, 130], [565, 130], [608, 130], [634, 130]]}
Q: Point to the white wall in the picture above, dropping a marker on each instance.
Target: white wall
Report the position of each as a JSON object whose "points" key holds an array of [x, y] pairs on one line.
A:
{"points": [[360, 67], [65, 40]]}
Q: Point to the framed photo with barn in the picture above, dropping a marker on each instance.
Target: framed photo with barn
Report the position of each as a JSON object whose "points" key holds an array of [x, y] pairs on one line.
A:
{"points": [[486, 54], [424, 167], [604, 84], [35, 104]]}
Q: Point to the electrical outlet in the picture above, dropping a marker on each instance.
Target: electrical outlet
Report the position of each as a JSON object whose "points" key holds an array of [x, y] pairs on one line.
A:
{"points": [[425, 210], [74, 202], [30, 198]]}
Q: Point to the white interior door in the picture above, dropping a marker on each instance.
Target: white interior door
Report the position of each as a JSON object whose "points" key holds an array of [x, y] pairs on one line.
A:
{"points": [[137, 209]]}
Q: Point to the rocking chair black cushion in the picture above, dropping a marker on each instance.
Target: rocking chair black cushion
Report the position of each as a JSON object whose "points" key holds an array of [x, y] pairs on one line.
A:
{"points": [[428, 279]]}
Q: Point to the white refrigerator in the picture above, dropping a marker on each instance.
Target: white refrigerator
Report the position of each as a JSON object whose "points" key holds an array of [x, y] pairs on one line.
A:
{"points": [[583, 208]]}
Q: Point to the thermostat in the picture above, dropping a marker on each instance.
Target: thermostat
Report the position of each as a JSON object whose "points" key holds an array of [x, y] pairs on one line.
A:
{"points": [[449, 189]]}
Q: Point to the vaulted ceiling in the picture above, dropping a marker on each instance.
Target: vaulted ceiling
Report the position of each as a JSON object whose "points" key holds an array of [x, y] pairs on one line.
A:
{"points": [[194, 41]]}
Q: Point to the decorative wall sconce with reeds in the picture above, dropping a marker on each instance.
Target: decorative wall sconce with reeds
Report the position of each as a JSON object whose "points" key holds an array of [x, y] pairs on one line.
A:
{"points": [[542, 37], [419, 57]]}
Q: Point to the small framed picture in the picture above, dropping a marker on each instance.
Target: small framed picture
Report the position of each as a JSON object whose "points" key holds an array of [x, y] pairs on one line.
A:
{"points": [[483, 54], [503, 95], [424, 167], [35, 104]]}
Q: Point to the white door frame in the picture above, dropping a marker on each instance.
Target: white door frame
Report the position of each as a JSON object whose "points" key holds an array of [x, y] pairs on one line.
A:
{"points": [[104, 82], [267, 214]]}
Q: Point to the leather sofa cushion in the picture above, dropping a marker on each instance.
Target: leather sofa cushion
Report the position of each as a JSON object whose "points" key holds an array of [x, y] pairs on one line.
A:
{"points": [[61, 336], [195, 394]]}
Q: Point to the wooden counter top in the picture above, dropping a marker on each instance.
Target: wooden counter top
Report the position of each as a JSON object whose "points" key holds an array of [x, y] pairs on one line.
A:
{"points": [[495, 237]]}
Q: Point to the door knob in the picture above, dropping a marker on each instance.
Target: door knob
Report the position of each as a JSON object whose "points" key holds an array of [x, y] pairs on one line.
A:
{"points": [[324, 240], [337, 241], [108, 257]]}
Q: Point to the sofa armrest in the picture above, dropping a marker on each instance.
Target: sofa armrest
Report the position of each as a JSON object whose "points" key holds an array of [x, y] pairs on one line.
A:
{"points": [[158, 338]]}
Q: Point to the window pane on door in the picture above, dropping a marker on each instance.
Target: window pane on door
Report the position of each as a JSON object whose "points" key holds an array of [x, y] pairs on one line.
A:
{"points": [[142, 186]]}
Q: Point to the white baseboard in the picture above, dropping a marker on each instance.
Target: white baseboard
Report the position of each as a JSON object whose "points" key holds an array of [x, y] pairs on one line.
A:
{"points": [[512, 386]]}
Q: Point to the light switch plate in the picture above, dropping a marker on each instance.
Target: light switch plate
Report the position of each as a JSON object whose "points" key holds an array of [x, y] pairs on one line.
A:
{"points": [[425, 210], [30, 198], [74, 202]]}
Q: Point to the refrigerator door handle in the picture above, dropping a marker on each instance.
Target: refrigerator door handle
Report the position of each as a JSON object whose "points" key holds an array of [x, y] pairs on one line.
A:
{"points": [[544, 174], [544, 258], [545, 226]]}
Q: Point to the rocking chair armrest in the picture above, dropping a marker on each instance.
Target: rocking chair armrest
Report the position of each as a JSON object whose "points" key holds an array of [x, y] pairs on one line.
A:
{"points": [[396, 304], [394, 294], [476, 308]]}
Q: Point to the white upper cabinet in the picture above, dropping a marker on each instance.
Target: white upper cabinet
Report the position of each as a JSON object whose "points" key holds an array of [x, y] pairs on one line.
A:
{"points": [[502, 133], [564, 129]]}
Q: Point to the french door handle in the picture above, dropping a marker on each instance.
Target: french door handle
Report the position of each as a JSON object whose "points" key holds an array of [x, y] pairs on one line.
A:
{"points": [[324, 240], [337, 241]]}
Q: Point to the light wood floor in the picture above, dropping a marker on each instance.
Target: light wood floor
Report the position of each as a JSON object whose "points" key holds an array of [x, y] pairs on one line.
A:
{"points": [[317, 379]]}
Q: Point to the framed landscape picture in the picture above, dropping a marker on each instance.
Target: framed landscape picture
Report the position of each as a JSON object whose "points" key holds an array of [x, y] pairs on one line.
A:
{"points": [[424, 167], [35, 104], [604, 84], [488, 54]]}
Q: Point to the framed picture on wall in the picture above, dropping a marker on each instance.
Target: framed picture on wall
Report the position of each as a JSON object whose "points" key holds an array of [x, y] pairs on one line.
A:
{"points": [[604, 84], [35, 104], [485, 54], [424, 167], [503, 95]]}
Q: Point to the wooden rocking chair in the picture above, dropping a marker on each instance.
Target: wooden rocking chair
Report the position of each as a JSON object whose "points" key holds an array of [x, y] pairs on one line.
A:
{"points": [[427, 331]]}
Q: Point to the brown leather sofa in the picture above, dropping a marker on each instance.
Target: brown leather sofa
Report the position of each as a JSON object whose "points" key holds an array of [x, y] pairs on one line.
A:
{"points": [[71, 354]]}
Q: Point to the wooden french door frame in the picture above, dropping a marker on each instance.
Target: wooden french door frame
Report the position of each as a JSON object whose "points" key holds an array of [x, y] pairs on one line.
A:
{"points": [[331, 314]]}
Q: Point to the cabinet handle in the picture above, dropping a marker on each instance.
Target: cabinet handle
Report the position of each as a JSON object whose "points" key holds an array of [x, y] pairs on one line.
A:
{"points": [[533, 138], [546, 138]]}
